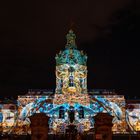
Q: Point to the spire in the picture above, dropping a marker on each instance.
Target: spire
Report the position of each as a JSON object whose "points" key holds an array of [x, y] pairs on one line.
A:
{"points": [[71, 55], [71, 40]]}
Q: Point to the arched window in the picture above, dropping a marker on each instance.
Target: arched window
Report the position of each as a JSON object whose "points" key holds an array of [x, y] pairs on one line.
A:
{"points": [[71, 114], [81, 112], [61, 112]]}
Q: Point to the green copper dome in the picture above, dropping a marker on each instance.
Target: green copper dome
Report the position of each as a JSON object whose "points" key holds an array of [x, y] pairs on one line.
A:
{"points": [[71, 55]]}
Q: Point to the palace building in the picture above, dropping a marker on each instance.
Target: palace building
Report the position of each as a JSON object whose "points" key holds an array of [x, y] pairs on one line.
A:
{"points": [[71, 102]]}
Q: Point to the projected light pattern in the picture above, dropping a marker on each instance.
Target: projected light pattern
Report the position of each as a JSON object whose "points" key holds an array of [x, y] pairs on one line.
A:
{"points": [[29, 105], [71, 103], [114, 105], [8, 114], [19, 123], [71, 69], [71, 79], [133, 116]]}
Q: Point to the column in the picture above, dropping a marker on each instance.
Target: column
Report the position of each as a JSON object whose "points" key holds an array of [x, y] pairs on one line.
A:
{"points": [[103, 126], [39, 126]]}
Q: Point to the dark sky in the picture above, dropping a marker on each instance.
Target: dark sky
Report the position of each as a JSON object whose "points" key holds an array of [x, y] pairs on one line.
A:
{"points": [[32, 32]]}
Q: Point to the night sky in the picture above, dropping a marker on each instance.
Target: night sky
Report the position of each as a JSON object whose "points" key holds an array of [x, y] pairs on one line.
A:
{"points": [[32, 32]]}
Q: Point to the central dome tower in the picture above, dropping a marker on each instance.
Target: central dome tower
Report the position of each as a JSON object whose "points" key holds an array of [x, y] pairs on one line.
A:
{"points": [[71, 74], [71, 68]]}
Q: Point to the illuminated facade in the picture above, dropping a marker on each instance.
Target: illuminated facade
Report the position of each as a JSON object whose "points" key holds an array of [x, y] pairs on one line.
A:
{"points": [[71, 103]]}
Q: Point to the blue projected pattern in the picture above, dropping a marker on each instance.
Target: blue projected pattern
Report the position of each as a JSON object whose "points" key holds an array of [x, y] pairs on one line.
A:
{"points": [[18, 122], [71, 103]]}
